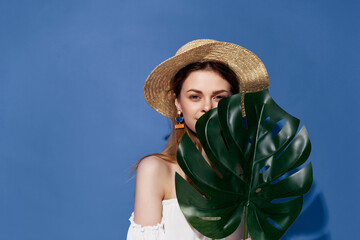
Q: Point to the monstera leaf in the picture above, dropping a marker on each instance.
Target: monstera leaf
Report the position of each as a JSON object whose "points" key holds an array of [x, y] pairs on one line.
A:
{"points": [[255, 169]]}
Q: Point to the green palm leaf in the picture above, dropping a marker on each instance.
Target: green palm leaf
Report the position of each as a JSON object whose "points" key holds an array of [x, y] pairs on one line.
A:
{"points": [[251, 156]]}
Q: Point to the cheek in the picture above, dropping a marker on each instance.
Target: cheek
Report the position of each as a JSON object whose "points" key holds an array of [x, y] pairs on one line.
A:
{"points": [[189, 109], [189, 112], [215, 104]]}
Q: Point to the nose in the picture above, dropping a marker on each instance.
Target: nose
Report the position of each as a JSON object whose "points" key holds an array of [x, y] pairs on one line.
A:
{"points": [[207, 105]]}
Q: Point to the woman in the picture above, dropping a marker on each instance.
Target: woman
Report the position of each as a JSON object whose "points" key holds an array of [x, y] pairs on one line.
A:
{"points": [[183, 88]]}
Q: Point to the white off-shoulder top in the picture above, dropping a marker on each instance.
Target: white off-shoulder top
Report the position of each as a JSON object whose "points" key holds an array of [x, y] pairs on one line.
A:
{"points": [[173, 226]]}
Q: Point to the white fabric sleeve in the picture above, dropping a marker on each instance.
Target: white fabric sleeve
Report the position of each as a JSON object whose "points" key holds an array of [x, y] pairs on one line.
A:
{"points": [[138, 232]]}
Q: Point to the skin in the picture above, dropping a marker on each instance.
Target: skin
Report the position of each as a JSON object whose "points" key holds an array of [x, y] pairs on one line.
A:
{"points": [[200, 92]]}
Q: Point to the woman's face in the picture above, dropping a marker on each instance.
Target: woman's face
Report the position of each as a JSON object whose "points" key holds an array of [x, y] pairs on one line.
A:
{"points": [[201, 92]]}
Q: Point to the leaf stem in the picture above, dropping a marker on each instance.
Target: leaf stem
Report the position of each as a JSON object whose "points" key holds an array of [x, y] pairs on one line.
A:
{"points": [[245, 223]]}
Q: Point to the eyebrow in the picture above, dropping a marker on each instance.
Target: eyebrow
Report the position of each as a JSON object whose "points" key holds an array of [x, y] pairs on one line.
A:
{"points": [[214, 92]]}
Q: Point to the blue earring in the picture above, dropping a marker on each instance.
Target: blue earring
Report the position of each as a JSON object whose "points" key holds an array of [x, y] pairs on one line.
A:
{"points": [[179, 119]]}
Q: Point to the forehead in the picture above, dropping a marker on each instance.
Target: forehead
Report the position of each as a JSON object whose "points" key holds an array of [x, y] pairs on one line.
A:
{"points": [[204, 80]]}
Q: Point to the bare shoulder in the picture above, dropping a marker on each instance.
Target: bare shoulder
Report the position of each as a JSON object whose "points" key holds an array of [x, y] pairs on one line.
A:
{"points": [[152, 175], [153, 166]]}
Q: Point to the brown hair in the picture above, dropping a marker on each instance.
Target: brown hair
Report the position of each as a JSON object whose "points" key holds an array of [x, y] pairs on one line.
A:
{"points": [[169, 152]]}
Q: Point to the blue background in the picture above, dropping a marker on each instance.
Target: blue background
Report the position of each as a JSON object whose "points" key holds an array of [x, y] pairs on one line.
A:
{"points": [[73, 120]]}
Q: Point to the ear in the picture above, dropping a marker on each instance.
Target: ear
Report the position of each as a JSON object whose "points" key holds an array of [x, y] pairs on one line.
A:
{"points": [[178, 105]]}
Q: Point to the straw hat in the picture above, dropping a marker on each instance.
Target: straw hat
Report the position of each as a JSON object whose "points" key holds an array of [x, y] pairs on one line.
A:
{"points": [[247, 66]]}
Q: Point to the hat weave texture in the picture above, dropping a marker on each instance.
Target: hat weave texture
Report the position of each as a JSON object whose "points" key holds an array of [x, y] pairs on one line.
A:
{"points": [[246, 65]]}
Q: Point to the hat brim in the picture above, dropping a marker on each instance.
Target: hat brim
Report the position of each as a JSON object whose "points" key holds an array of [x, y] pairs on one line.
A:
{"points": [[248, 67]]}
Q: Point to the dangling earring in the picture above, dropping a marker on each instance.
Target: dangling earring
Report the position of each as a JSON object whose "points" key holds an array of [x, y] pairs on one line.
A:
{"points": [[179, 119]]}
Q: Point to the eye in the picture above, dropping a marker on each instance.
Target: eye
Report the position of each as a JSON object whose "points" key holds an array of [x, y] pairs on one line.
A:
{"points": [[219, 97], [194, 97]]}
